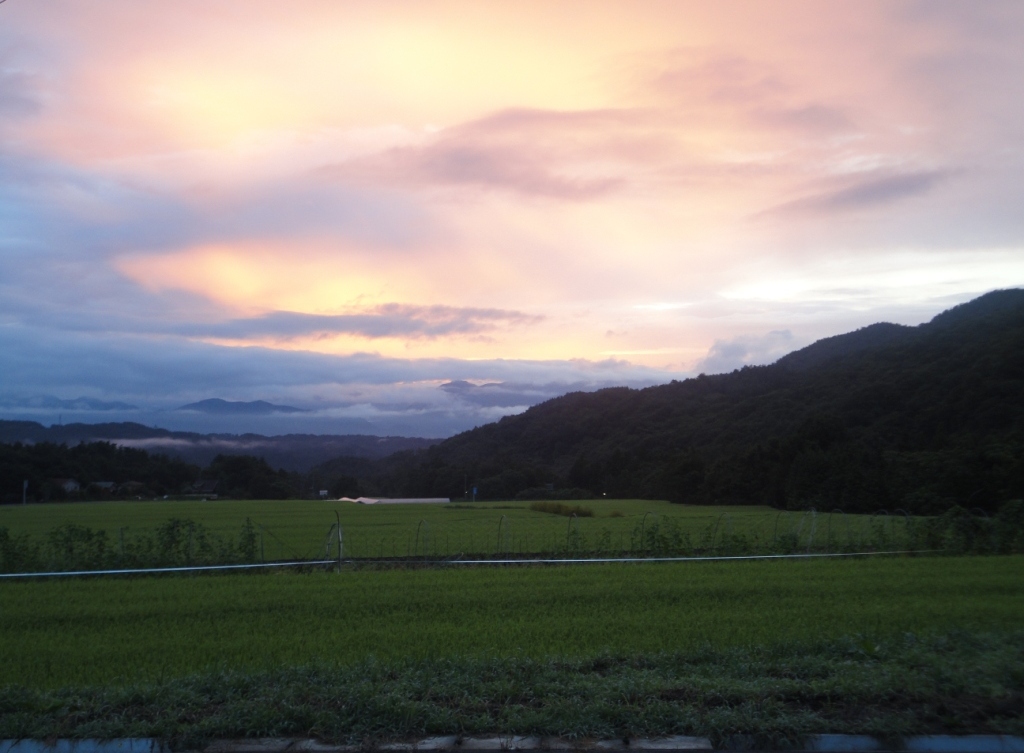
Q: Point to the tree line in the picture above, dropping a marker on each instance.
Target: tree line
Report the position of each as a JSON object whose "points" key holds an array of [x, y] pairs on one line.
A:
{"points": [[103, 470]]}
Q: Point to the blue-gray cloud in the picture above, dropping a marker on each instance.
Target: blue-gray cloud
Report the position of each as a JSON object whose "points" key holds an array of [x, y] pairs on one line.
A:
{"points": [[865, 193], [70, 211], [20, 85], [16, 97], [140, 365], [387, 320], [510, 394], [118, 306]]}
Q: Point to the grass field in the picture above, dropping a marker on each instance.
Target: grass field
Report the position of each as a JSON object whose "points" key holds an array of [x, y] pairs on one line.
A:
{"points": [[121, 631], [298, 529]]}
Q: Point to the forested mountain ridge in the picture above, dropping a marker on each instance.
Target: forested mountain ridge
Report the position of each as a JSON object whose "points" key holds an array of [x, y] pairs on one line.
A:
{"points": [[918, 418]]}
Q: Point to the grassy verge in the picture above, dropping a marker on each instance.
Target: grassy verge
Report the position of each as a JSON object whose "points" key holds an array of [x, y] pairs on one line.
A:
{"points": [[954, 683]]}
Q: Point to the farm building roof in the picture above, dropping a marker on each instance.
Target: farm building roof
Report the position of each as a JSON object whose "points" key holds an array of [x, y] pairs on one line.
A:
{"points": [[396, 500]]}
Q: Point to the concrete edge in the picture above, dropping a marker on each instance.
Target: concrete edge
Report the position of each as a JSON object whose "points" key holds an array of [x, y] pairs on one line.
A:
{"points": [[917, 744], [512, 743]]}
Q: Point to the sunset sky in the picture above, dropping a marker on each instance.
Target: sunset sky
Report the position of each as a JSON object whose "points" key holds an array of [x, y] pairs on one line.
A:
{"points": [[415, 217]]}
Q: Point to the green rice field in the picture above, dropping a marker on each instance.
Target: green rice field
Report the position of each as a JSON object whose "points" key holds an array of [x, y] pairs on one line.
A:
{"points": [[302, 529], [122, 631], [371, 651]]}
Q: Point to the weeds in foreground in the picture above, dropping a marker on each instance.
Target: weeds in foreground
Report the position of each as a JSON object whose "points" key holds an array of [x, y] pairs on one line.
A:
{"points": [[771, 697]]}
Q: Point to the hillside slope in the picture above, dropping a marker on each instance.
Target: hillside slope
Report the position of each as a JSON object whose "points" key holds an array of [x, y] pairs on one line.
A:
{"points": [[917, 418]]}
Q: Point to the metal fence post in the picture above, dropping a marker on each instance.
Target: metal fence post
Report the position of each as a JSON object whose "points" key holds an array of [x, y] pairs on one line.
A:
{"points": [[340, 539], [828, 536], [426, 540], [714, 533], [814, 526], [643, 528]]}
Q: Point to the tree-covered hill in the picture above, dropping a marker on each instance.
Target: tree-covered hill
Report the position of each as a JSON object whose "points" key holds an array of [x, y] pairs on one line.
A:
{"points": [[918, 418]]}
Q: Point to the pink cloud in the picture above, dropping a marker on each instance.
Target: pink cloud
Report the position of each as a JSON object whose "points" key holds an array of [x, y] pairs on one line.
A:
{"points": [[580, 155]]}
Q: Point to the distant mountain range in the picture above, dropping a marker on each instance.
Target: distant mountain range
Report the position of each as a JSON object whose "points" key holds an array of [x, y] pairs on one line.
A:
{"points": [[293, 452], [237, 408], [894, 417], [213, 406], [49, 402]]}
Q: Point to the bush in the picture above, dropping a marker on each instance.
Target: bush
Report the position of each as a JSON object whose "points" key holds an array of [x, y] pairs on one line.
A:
{"points": [[542, 492], [557, 508]]}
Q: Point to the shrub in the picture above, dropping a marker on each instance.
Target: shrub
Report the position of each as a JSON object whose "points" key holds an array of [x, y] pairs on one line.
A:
{"points": [[557, 508]]}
